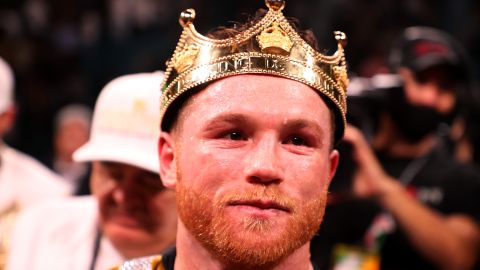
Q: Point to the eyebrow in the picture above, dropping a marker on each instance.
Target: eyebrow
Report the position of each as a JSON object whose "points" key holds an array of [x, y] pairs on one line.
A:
{"points": [[227, 118], [302, 123], [297, 124]]}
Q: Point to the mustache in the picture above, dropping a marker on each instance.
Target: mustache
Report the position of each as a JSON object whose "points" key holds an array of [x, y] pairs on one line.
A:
{"points": [[263, 197]]}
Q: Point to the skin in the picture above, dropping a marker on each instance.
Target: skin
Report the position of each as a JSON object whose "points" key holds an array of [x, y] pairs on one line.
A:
{"points": [[7, 118], [248, 134], [136, 212], [69, 137], [432, 93], [449, 241]]}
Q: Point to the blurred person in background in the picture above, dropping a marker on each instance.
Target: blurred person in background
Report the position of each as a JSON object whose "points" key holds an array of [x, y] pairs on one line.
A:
{"points": [[72, 127], [402, 201], [437, 72], [130, 213], [23, 180]]}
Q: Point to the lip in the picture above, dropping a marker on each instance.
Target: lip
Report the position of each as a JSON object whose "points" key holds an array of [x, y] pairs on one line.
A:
{"points": [[260, 205], [125, 220]]}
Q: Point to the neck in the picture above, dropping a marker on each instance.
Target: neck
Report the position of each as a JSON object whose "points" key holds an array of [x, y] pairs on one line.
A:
{"points": [[192, 255], [132, 252], [389, 141]]}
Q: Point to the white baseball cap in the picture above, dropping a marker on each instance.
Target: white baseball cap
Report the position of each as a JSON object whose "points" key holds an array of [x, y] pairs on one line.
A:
{"points": [[6, 86], [125, 126]]}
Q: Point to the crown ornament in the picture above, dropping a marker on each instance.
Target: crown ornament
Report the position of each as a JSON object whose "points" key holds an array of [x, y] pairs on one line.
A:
{"points": [[271, 46], [274, 40]]}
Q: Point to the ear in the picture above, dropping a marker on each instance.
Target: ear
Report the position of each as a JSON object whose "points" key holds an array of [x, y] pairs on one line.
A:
{"points": [[166, 156], [334, 158]]}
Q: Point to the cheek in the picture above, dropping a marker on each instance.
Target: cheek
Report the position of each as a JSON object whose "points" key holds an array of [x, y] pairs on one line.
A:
{"points": [[163, 202], [164, 207], [411, 91], [309, 176], [102, 190], [204, 167], [102, 186]]}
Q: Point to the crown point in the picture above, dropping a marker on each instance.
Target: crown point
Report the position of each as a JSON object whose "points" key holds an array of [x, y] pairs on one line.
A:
{"points": [[276, 5], [186, 17], [274, 40], [341, 38]]}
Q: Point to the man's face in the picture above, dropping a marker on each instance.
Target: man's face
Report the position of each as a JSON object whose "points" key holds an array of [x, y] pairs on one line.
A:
{"points": [[136, 212], [432, 88], [253, 160]]}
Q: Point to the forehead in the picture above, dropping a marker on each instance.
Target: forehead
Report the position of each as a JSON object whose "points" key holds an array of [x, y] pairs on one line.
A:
{"points": [[259, 95]]}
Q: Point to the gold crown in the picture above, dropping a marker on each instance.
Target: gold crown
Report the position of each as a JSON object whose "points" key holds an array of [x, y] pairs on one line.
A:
{"points": [[271, 46]]}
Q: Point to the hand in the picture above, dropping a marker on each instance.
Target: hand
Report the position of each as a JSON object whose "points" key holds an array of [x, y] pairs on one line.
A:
{"points": [[370, 179]]}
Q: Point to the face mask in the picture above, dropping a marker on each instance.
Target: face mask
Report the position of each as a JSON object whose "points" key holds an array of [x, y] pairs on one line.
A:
{"points": [[414, 122]]}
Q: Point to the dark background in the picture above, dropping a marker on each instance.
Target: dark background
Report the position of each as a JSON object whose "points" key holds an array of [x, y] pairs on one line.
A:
{"points": [[64, 51]]}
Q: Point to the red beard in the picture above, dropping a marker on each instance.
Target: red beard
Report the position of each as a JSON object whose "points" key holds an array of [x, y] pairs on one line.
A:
{"points": [[251, 242]]}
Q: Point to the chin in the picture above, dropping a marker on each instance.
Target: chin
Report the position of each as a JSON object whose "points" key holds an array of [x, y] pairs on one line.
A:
{"points": [[120, 233], [257, 231]]}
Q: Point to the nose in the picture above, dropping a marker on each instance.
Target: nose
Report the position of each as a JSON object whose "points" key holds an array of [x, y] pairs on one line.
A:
{"points": [[427, 95], [129, 194], [262, 165]]}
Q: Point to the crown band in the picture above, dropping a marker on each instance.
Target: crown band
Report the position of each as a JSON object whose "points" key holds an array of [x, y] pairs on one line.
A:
{"points": [[253, 63], [271, 46]]}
